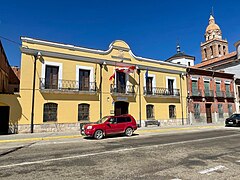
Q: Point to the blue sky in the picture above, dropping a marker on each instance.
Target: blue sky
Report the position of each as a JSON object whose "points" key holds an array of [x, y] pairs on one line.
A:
{"points": [[150, 27]]}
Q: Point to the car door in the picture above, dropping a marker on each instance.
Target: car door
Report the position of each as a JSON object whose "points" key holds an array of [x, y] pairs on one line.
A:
{"points": [[121, 123], [111, 126]]}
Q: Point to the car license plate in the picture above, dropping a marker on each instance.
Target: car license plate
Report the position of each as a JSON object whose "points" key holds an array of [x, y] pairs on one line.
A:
{"points": [[230, 122]]}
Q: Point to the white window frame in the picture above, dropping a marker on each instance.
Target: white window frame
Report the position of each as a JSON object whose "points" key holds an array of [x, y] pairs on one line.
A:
{"points": [[174, 82], [78, 67], [60, 68], [153, 82], [126, 78]]}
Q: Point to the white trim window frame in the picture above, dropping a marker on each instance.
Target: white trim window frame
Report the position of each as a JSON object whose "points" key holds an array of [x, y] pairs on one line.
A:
{"points": [[91, 69], [59, 65], [174, 83], [153, 82]]}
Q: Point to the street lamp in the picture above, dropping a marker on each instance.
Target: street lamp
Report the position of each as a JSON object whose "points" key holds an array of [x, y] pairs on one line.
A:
{"points": [[37, 56]]}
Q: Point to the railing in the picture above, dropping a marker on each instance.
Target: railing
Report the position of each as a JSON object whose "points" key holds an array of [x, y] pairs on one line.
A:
{"points": [[67, 85], [229, 94], [197, 93], [157, 91], [209, 93], [121, 89], [220, 93]]}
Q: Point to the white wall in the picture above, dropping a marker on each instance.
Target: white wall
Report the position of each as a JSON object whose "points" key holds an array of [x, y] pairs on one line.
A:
{"points": [[184, 61]]}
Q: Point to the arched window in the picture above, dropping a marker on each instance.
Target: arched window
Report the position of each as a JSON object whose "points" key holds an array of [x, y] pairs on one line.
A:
{"points": [[150, 111], [50, 112], [172, 111], [83, 112]]}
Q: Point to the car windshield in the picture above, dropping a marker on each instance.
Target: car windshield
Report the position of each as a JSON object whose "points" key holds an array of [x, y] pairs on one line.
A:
{"points": [[234, 115], [104, 119]]}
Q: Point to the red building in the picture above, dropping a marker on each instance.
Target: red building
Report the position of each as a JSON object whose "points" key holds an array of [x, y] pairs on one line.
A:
{"points": [[210, 96]]}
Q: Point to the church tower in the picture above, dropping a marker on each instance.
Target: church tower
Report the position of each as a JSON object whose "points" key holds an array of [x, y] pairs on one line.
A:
{"points": [[214, 46]]}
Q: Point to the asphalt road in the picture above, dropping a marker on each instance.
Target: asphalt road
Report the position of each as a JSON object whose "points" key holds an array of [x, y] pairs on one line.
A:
{"points": [[207, 154]]}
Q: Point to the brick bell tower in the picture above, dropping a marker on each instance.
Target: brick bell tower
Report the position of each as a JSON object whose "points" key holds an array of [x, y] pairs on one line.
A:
{"points": [[214, 46]]}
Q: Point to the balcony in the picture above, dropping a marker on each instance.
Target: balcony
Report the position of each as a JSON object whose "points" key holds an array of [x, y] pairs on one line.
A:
{"points": [[157, 91], [220, 94], [67, 86], [122, 90], [196, 93], [229, 94], [209, 93]]}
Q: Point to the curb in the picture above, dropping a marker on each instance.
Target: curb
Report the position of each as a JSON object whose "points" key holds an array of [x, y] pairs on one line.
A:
{"points": [[40, 138]]}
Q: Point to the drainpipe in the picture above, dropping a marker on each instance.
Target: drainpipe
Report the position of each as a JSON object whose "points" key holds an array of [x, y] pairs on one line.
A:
{"points": [[181, 75], [36, 56], [140, 103], [100, 90]]}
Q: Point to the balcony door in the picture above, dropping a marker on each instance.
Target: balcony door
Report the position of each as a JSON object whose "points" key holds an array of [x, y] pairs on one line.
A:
{"points": [[149, 85], [170, 86], [51, 77], [84, 80], [121, 82]]}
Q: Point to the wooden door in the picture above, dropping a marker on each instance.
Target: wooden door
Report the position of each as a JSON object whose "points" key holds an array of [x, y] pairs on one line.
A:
{"points": [[208, 113]]}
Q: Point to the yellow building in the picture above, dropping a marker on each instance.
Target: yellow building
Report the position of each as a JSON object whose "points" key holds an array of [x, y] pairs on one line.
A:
{"points": [[76, 84]]}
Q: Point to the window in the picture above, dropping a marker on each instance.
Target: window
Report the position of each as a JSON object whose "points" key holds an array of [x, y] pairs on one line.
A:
{"points": [[123, 119], [83, 112], [178, 62], [172, 112], [189, 63], [84, 80], [194, 88], [50, 112], [211, 48], [121, 82], [230, 110], [150, 112], [170, 86], [224, 50], [149, 84], [220, 110], [227, 86], [219, 49], [205, 53], [51, 77], [207, 88], [197, 111]]}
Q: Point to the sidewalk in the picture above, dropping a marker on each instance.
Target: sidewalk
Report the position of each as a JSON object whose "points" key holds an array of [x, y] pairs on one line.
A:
{"points": [[76, 134]]}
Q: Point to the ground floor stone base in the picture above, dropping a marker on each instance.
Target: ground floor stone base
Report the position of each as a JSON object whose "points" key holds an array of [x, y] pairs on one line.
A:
{"points": [[66, 127]]}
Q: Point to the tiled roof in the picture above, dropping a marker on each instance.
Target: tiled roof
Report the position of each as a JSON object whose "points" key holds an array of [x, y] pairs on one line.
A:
{"points": [[214, 60]]}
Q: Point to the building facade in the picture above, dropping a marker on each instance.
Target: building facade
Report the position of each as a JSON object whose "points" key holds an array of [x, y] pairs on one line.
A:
{"points": [[215, 56], [210, 96], [9, 85], [76, 84]]}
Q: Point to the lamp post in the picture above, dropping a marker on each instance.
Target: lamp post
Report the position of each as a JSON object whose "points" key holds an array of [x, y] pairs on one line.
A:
{"points": [[37, 56]]}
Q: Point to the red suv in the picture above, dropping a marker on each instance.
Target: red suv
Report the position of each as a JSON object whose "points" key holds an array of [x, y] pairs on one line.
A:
{"points": [[110, 125]]}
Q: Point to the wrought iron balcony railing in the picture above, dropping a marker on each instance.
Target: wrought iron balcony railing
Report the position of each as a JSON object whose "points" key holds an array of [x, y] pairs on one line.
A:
{"points": [[229, 94], [67, 86], [157, 91], [220, 94], [196, 92], [121, 89], [209, 93]]}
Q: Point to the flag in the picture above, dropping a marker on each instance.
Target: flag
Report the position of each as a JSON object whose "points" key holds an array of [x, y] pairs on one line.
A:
{"points": [[146, 74], [112, 76], [126, 70]]}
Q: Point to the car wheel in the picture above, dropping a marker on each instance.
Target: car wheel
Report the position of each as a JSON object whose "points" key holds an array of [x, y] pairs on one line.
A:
{"points": [[129, 132], [98, 134]]}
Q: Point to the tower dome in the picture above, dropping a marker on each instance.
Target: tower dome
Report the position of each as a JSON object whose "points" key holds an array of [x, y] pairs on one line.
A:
{"points": [[213, 31]]}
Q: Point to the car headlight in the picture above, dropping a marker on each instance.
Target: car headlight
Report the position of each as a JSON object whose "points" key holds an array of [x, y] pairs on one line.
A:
{"points": [[89, 127]]}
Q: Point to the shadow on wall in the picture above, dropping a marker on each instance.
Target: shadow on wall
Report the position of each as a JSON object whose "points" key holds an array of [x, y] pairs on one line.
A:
{"points": [[15, 112]]}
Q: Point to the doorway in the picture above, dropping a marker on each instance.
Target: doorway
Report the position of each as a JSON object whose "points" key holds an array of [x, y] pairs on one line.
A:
{"points": [[120, 108], [4, 120], [209, 113]]}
